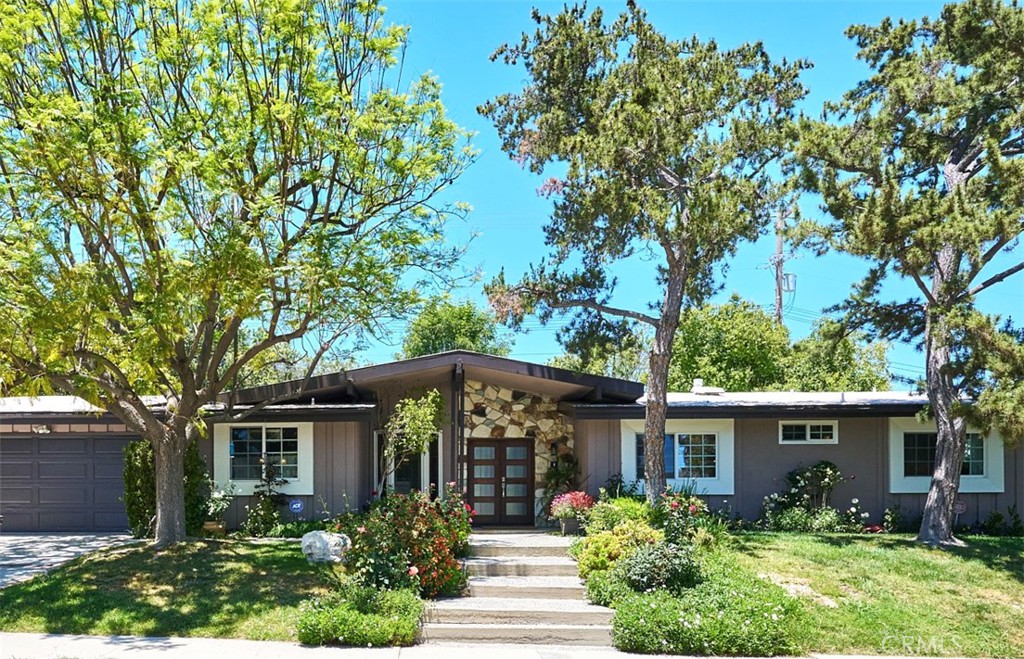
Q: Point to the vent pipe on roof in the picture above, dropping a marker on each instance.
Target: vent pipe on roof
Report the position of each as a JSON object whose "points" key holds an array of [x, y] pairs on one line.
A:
{"points": [[701, 390]]}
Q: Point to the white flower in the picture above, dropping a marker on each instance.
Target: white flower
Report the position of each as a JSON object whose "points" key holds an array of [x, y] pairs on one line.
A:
{"points": [[855, 501]]}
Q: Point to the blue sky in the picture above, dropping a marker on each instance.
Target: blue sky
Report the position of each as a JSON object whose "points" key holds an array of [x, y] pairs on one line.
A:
{"points": [[454, 39]]}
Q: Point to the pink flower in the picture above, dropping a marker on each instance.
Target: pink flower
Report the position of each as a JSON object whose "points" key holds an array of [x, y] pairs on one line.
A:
{"points": [[674, 505], [693, 509], [413, 571], [361, 529]]}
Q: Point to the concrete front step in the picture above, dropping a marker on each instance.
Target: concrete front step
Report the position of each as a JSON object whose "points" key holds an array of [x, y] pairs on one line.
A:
{"points": [[562, 588], [595, 635], [517, 611], [498, 550], [524, 566]]}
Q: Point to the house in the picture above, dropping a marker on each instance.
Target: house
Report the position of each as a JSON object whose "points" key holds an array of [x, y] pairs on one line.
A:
{"points": [[506, 421]]}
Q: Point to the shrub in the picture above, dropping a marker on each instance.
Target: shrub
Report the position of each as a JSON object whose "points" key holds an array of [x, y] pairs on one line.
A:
{"points": [[709, 531], [601, 550], [606, 587], [660, 566], [410, 541], [677, 513], [361, 616], [731, 613], [571, 505], [296, 528], [609, 513], [264, 513], [827, 520], [140, 488]]}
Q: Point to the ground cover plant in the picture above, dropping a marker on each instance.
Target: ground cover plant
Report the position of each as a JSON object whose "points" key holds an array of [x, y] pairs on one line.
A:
{"points": [[675, 588], [219, 589], [361, 616]]}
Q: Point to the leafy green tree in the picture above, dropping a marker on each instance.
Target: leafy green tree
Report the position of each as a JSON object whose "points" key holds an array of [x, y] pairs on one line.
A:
{"points": [[920, 168], [736, 346], [173, 172], [662, 151], [739, 347], [444, 325], [625, 358], [830, 360], [409, 431]]}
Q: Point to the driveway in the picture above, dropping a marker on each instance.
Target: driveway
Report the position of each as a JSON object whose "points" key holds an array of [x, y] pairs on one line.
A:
{"points": [[24, 555]]}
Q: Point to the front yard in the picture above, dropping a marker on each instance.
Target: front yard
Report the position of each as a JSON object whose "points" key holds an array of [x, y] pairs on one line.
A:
{"points": [[885, 594], [225, 589]]}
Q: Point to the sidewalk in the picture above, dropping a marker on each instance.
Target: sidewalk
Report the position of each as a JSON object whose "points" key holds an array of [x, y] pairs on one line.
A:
{"points": [[54, 646], [43, 646]]}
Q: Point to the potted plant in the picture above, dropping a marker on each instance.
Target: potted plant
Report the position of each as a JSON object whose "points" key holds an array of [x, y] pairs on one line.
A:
{"points": [[569, 509], [216, 505]]}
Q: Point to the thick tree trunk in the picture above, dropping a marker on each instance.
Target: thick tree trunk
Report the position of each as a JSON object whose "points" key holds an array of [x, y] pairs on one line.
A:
{"points": [[937, 520], [657, 388], [169, 452]]}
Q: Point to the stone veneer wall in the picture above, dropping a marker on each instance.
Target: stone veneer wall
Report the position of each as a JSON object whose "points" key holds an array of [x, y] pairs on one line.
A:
{"points": [[495, 412]]}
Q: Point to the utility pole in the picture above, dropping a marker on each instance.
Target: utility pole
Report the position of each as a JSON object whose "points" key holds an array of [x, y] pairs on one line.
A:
{"points": [[779, 261]]}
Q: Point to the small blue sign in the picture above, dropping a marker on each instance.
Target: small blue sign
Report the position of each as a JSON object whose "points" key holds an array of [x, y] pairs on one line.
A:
{"points": [[296, 505]]}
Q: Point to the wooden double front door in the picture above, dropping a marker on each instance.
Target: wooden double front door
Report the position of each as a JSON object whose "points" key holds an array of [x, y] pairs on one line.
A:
{"points": [[501, 481]]}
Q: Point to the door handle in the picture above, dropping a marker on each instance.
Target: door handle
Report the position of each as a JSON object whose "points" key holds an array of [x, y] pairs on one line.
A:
{"points": [[502, 486]]}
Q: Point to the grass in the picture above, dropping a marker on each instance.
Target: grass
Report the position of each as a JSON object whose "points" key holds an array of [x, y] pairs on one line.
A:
{"points": [[219, 589], [889, 595]]}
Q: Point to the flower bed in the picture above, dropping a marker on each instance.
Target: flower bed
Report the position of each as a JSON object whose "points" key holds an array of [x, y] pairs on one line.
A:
{"points": [[673, 588]]}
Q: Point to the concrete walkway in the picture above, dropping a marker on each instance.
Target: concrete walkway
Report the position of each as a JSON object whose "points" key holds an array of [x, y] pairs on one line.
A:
{"points": [[43, 646], [24, 555]]}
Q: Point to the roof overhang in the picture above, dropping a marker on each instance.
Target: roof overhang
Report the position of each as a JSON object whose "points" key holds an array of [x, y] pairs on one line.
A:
{"points": [[559, 382]]}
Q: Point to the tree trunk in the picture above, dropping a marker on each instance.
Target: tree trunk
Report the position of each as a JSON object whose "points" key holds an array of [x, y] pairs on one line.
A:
{"points": [[169, 453], [937, 520], [657, 388]]}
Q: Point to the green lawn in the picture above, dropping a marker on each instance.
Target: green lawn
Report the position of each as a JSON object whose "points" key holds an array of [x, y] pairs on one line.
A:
{"points": [[887, 595], [221, 589]]}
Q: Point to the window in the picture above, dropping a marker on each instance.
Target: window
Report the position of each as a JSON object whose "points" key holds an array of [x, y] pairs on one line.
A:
{"points": [[808, 432], [687, 455], [919, 450], [698, 452], [250, 445], [911, 450], [670, 453], [415, 473], [697, 455]]}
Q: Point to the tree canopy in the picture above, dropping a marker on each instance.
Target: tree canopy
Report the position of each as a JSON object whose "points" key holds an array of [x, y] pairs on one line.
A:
{"points": [[444, 325], [736, 346], [740, 347], [921, 171], [175, 174], [654, 149]]}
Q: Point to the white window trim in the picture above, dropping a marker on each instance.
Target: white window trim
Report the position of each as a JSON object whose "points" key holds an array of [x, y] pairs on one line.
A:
{"points": [[991, 482], [807, 424], [724, 484], [301, 486], [424, 465]]}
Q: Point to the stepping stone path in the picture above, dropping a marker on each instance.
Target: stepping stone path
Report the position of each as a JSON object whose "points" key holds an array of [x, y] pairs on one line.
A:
{"points": [[523, 589]]}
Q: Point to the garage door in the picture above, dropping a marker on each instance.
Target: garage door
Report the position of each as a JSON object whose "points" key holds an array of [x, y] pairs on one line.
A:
{"points": [[62, 482]]}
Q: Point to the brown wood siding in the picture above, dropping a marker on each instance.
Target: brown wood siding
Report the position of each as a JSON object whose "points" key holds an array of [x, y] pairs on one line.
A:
{"points": [[341, 467], [341, 473], [862, 454], [597, 444]]}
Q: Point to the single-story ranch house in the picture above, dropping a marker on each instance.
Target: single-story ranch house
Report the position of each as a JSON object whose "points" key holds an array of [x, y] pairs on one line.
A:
{"points": [[507, 420]]}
